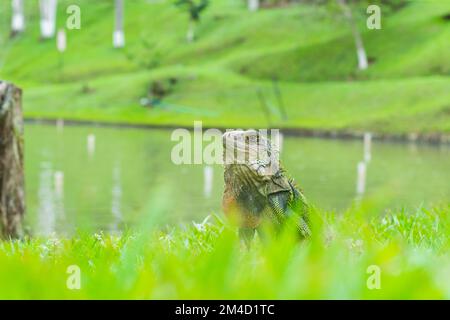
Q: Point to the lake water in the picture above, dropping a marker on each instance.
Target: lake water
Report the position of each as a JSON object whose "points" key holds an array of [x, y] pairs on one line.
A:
{"points": [[70, 186]]}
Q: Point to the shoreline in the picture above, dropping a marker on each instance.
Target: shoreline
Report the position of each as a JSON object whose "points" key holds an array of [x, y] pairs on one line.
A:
{"points": [[428, 138]]}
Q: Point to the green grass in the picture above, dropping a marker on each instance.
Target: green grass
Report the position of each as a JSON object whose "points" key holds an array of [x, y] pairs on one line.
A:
{"points": [[309, 48], [412, 105], [206, 260]]}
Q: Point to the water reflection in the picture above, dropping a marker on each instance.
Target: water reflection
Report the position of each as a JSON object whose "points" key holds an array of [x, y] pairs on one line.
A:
{"points": [[116, 201], [59, 194], [47, 212]]}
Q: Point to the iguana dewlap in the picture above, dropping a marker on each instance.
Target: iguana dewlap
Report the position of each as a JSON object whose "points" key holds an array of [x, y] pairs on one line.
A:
{"points": [[256, 187]]}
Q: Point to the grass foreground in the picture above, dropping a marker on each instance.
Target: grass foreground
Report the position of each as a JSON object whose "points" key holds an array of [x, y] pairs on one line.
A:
{"points": [[408, 250]]}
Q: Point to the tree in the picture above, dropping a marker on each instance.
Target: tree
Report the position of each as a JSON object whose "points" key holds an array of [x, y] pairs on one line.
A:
{"points": [[363, 63], [48, 18], [17, 17], [194, 9], [119, 35]]}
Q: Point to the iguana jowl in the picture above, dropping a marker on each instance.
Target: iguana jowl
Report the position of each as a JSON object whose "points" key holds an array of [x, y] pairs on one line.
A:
{"points": [[256, 186]]}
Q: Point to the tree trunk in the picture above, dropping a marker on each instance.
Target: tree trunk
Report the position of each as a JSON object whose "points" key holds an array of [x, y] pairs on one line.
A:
{"points": [[12, 194], [118, 36], [48, 18], [17, 17], [363, 63]]}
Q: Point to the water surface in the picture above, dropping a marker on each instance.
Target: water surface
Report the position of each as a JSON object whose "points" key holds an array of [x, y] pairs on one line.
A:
{"points": [[70, 186]]}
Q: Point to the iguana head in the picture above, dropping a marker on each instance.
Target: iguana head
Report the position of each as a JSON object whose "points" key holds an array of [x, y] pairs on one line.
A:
{"points": [[250, 150]]}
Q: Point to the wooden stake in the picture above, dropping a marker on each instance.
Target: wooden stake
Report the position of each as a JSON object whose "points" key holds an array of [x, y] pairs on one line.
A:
{"points": [[12, 191]]}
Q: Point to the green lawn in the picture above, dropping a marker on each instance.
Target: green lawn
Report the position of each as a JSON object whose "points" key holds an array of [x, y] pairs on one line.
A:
{"points": [[207, 261], [310, 49]]}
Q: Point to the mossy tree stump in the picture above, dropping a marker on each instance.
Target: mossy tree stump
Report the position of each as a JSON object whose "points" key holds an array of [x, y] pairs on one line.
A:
{"points": [[12, 193]]}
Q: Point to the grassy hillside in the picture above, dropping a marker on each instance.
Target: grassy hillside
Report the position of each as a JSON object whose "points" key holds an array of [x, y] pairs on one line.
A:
{"points": [[413, 42], [206, 260], [309, 48]]}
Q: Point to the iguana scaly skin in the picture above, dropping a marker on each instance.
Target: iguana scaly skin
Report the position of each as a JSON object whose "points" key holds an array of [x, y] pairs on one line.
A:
{"points": [[256, 186]]}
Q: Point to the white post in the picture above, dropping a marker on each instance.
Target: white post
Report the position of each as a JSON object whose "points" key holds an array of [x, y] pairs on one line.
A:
{"points": [[60, 124], [253, 5], [367, 146], [18, 18], [190, 35], [48, 18], [208, 174], [61, 41], [118, 36], [91, 144], [363, 63], [61, 44], [361, 179]]}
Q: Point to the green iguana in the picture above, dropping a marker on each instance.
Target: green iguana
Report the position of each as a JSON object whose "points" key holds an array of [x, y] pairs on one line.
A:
{"points": [[256, 186]]}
